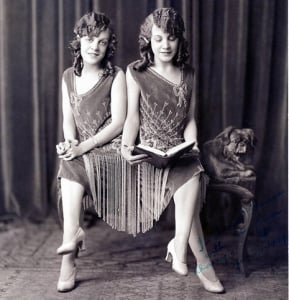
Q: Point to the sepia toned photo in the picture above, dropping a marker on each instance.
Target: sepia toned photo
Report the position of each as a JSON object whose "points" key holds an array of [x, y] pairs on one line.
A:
{"points": [[144, 149]]}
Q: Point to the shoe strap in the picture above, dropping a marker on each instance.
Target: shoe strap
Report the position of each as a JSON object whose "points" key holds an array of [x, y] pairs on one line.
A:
{"points": [[201, 267]]}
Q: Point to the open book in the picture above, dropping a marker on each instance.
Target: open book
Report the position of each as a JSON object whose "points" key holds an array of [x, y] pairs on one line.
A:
{"points": [[161, 159]]}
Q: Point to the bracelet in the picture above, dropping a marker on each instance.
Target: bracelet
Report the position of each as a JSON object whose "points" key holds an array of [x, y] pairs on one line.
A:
{"points": [[128, 148], [72, 142]]}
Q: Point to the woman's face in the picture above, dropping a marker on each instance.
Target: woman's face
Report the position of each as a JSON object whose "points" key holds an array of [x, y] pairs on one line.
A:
{"points": [[93, 48], [164, 45]]}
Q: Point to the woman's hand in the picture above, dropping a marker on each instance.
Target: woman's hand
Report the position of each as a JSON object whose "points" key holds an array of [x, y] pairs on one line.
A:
{"points": [[126, 152], [70, 149], [62, 147]]}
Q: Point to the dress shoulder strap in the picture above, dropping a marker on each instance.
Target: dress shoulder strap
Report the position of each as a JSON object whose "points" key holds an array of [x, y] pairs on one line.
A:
{"points": [[137, 75], [68, 78]]}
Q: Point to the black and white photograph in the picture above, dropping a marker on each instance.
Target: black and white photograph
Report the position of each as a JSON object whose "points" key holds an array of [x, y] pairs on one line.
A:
{"points": [[144, 149]]}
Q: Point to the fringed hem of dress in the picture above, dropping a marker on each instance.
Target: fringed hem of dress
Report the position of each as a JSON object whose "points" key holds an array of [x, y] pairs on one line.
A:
{"points": [[129, 198]]}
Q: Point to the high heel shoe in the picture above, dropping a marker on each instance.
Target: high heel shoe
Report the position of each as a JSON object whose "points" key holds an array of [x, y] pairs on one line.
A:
{"points": [[76, 243], [178, 266], [210, 286], [67, 284]]}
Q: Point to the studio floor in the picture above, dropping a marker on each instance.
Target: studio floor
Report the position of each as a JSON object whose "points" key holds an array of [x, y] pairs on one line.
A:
{"points": [[118, 266]]}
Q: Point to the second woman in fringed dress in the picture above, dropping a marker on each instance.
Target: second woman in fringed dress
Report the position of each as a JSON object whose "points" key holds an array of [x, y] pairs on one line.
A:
{"points": [[161, 108]]}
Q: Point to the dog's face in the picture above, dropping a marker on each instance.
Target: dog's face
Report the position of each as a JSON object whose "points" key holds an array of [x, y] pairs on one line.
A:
{"points": [[240, 140], [230, 154], [237, 141]]}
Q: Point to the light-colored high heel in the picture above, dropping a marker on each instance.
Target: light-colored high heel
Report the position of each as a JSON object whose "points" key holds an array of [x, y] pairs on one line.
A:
{"points": [[67, 284], [178, 266], [210, 286], [76, 243]]}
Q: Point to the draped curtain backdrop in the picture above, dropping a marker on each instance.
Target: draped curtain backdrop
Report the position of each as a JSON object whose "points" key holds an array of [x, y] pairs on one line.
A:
{"points": [[239, 51]]}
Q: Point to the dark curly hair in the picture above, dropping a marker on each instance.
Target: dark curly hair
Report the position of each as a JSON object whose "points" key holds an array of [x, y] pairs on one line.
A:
{"points": [[91, 24], [171, 22]]}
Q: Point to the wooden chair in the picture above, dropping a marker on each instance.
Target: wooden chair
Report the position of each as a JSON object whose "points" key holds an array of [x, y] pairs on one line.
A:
{"points": [[228, 161], [245, 192]]}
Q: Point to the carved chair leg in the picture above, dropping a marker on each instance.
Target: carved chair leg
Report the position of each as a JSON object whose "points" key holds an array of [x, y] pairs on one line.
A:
{"points": [[247, 211]]}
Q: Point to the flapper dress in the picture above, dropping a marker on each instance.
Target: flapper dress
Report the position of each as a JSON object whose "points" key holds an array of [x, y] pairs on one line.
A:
{"points": [[164, 108], [130, 198]]}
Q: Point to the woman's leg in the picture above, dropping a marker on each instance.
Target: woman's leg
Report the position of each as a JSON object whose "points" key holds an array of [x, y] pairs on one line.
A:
{"points": [[72, 194], [198, 247], [188, 226], [188, 229], [185, 199]]}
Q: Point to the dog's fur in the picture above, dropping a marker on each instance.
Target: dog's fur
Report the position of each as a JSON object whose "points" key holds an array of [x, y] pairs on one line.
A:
{"points": [[229, 156]]}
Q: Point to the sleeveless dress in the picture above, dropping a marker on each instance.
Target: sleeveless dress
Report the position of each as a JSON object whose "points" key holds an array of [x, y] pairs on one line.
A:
{"points": [[129, 198], [163, 111], [92, 113]]}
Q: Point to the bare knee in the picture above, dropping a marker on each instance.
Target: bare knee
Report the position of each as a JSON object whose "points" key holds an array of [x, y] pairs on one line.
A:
{"points": [[71, 184], [189, 189]]}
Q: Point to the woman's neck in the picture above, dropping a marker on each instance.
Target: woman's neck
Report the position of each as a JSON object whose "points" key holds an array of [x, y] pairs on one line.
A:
{"points": [[164, 67], [91, 70], [90, 76], [168, 71]]}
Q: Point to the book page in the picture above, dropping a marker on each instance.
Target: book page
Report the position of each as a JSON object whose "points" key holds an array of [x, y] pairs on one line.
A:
{"points": [[179, 147], [151, 150]]}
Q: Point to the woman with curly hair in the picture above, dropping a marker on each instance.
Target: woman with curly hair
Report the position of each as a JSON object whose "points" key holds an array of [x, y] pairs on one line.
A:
{"points": [[161, 108], [94, 111]]}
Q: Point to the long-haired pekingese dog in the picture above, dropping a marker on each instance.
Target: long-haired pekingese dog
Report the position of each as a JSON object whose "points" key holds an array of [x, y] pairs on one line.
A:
{"points": [[229, 156]]}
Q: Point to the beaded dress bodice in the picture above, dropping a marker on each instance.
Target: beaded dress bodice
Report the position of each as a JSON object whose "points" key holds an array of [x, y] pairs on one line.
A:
{"points": [[92, 110], [163, 107]]}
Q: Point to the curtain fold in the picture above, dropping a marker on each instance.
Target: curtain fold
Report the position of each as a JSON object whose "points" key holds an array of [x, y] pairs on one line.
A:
{"points": [[239, 52]]}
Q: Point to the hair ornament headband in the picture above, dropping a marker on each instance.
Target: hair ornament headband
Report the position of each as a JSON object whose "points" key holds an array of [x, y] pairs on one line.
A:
{"points": [[145, 39]]}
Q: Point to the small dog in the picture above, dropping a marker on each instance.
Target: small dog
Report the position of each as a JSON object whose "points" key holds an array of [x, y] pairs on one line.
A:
{"points": [[229, 156]]}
